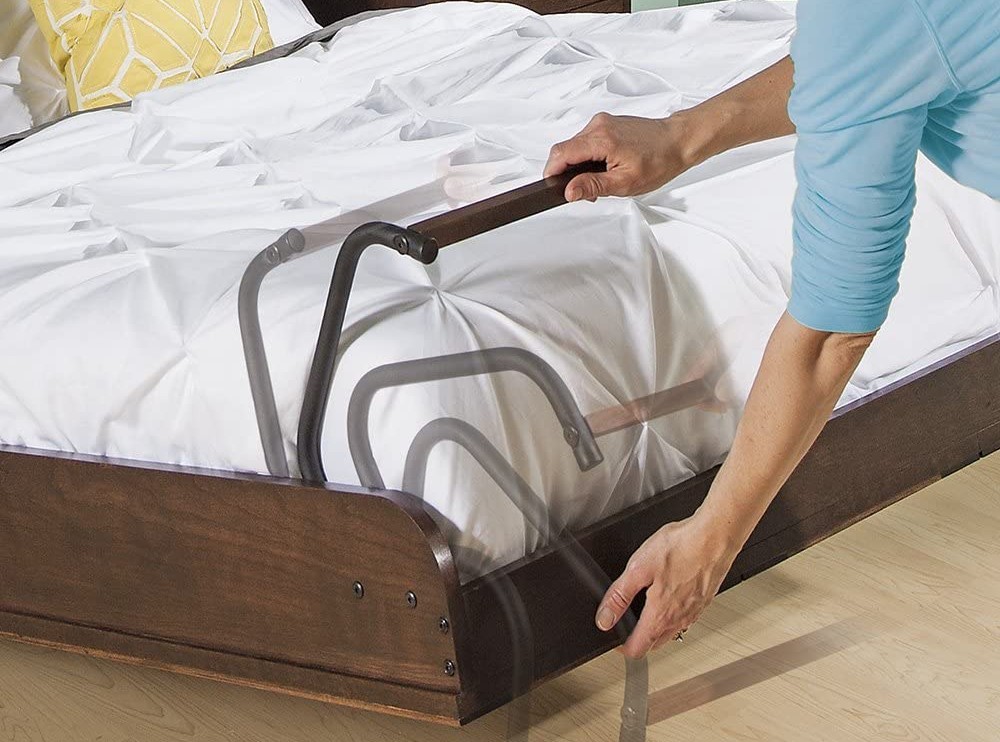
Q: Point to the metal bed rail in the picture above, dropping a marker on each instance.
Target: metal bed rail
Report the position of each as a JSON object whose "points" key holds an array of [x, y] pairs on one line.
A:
{"points": [[532, 507], [422, 241]]}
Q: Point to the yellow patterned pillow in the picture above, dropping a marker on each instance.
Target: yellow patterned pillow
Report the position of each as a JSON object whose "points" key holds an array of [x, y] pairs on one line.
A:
{"points": [[111, 50]]}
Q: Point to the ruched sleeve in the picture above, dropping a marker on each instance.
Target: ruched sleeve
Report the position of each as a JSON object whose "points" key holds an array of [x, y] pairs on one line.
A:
{"points": [[866, 74]]}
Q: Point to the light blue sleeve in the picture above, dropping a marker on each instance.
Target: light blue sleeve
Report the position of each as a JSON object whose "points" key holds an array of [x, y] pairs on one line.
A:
{"points": [[866, 73]]}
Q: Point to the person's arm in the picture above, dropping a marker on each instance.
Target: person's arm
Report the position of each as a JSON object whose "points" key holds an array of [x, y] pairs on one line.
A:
{"points": [[864, 80], [801, 377], [643, 154]]}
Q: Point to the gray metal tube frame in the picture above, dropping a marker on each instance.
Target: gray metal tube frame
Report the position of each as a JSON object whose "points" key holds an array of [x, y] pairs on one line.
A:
{"points": [[575, 428], [635, 706], [320, 381], [576, 431], [291, 243]]}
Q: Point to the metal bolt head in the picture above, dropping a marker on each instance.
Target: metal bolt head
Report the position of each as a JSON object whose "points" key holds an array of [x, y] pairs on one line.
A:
{"points": [[359, 590], [572, 435], [411, 599], [296, 240], [449, 668], [444, 626], [400, 243]]}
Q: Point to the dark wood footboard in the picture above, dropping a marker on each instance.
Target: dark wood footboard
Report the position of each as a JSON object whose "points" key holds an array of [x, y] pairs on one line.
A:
{"points": [[337, 594]]}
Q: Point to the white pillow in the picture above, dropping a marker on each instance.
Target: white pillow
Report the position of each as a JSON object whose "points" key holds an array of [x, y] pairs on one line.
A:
{"points": [[14, 116], [288, 20], [42, 88]]}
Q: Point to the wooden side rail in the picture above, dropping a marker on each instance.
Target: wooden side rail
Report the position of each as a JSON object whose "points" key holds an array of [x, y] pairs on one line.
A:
{"points": [[873, 453]]}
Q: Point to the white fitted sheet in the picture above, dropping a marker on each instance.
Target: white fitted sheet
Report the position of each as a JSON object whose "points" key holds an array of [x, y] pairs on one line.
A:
{"points": [[124, 235], [42, 89], [14, 114], [288, 20]]}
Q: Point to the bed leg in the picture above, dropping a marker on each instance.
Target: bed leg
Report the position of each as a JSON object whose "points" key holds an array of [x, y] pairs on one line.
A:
{"points": [[636, 704]]}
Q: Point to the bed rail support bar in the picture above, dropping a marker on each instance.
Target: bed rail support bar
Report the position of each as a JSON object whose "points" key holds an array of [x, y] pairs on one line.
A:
{"points": [[317, 394], [421, 242], [291, 243], [576, 431]]}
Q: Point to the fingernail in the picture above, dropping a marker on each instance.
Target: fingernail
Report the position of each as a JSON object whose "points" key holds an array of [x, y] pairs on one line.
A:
{"points": [[573, 194], [605, 619]]}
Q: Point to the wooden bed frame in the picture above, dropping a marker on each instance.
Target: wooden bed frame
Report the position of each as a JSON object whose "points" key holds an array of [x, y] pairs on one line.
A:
{"points": [[331, 11], [352, 596], [252, 580]]}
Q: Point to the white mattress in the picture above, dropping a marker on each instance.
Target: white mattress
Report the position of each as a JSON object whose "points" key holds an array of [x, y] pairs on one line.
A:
{"points": [[124, 236]]}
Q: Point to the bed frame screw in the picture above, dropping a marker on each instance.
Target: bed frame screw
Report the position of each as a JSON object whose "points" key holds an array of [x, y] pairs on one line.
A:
{"points": [[572, 435], [411, 599], [401, 243], [449, 668], [359, 590], [444, 626]]}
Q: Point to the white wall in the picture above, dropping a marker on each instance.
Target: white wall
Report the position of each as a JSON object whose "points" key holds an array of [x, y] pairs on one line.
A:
{"points": [[649, 4]]}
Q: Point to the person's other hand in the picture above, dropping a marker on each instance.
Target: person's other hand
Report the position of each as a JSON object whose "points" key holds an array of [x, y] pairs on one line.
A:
{"points": [[681, 566], [641, 155]]}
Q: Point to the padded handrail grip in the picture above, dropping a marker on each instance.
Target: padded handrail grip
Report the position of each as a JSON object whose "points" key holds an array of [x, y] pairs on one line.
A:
{"points": [[505, 208]]}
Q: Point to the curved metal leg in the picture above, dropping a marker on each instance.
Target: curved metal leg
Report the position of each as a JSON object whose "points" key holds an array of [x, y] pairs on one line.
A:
{"points": [[522, 651], [576, 430], [635, 707], [320, 380], [289, 244]]}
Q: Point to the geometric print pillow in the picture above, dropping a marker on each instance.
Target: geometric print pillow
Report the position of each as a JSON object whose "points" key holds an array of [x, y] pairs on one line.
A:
{"points": [[109, 51]]}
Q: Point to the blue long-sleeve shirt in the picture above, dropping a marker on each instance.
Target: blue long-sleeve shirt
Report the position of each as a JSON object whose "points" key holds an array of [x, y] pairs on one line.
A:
{"points": [[876, 81]]}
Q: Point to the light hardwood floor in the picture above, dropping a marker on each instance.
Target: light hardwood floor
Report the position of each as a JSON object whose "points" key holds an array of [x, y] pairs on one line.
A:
{"points": [[888, 631]]}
